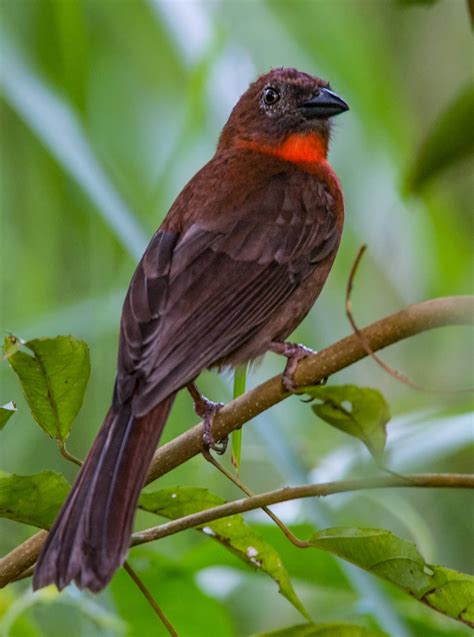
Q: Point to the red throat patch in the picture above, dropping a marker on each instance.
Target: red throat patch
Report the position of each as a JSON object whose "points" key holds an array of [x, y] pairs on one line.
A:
{"points": [[297, 148]]}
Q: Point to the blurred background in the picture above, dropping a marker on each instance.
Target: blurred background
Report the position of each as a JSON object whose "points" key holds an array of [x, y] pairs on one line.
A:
{"points": [[108, 107]]}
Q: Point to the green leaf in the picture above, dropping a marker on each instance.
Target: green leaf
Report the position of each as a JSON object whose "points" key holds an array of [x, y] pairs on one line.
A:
{"points": [[34, 499], [232, 532], [6, 412], [53, 379], [240, 377], [324, 630], [399, 562], [315, 568], [359, 411], [450, 140]]}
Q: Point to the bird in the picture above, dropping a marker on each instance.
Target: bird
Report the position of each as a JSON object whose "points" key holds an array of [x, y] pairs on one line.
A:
{"points": [[235, 266]]}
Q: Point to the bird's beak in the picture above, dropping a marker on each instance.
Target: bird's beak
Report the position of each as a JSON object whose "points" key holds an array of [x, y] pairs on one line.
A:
{"points": [[324, 104]]}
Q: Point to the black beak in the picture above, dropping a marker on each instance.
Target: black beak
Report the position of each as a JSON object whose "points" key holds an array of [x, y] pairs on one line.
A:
{"points": [[324, 104]]}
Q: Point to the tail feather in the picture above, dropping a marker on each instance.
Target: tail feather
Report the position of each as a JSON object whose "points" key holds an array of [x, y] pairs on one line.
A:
{"points": [[90, 538]]}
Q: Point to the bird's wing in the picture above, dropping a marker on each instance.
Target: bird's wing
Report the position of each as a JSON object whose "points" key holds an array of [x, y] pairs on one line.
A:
{"points": [[198, 295]]}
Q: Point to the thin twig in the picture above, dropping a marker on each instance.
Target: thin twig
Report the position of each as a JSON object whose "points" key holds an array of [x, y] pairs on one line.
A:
{"points": [[420, 480], [416, 480], [64, 452], [350, 284], [238, 483], [403, 378], [150, 599]]}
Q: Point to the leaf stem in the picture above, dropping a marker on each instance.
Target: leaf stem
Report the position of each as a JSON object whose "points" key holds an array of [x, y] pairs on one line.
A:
{"points": [[64, 452]]}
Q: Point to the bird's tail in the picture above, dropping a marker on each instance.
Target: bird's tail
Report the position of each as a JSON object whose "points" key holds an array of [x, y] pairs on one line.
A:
{"points": [[90, 538]]}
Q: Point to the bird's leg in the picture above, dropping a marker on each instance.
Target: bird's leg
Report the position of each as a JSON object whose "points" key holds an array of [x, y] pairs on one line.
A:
{"points": [[294, 352], [206, 409]]}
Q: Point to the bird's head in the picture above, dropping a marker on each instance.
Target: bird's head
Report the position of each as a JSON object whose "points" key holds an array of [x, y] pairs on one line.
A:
{"points": [[280, 109]]}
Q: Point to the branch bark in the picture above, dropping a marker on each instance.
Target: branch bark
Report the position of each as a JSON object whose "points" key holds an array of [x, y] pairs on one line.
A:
{"points": [[458, 310], [21, 558]]}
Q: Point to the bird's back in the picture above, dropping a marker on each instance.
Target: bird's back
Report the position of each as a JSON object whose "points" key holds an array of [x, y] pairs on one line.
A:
{"points": [[212, 279]]}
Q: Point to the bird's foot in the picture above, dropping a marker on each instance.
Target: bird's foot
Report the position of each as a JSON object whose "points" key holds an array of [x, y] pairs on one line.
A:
{"points": [[206, 409], [294, 352]]}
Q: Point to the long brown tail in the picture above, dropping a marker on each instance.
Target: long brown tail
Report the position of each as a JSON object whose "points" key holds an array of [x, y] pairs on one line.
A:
{"points": [[90, 538]]}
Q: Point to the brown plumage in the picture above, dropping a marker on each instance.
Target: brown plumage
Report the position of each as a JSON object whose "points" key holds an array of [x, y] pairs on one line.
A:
{"points": [[236, 265]]}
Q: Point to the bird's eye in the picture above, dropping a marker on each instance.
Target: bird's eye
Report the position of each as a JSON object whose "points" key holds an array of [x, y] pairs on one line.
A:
{"points": [[270, 96]]}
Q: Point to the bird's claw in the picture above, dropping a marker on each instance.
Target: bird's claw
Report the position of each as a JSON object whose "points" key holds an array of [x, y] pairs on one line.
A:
{"points": [[294, 352], [206, 409]]}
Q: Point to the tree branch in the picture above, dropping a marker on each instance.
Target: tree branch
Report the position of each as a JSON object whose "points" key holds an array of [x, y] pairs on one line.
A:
{"points": [[21, 558], [264, 500], [423, 480], [457, 310]]}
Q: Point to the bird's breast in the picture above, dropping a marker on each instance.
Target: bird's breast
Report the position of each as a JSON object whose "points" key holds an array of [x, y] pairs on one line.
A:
{"points": [[307, 154]]}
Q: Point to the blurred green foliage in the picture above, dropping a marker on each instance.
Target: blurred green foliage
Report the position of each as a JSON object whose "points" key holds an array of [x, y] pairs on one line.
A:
{"points": [[107, 109]]}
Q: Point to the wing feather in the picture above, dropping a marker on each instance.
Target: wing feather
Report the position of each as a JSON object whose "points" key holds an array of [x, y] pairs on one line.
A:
{"points": [[198, 295]]}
